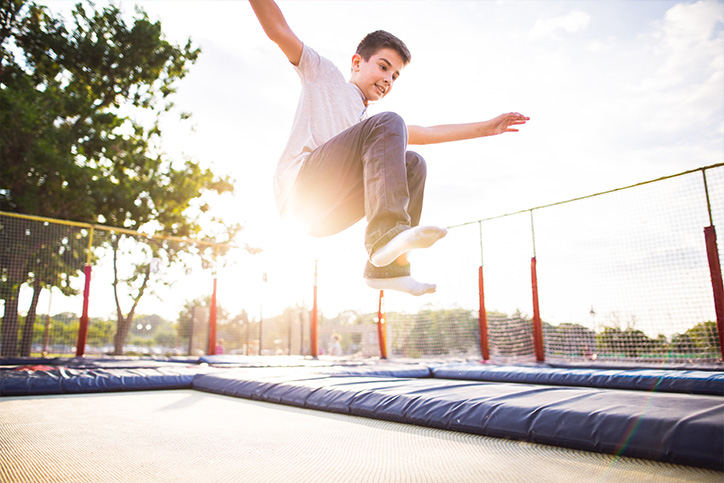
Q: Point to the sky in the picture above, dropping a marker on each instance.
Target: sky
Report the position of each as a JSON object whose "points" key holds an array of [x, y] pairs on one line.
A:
{"points": [[618, 92]]}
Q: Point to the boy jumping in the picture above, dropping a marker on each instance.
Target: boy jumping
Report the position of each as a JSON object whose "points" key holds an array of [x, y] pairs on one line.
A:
{"points": [[341, 165]]}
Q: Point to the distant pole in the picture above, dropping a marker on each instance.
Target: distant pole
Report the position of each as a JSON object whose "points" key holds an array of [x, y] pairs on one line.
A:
{"points": [[212, 311], [264, 279], [212, 322], [191, 332], [315, 316], [46, 334], [246, 345], [290, 317], [261, 328], [382, 326]]}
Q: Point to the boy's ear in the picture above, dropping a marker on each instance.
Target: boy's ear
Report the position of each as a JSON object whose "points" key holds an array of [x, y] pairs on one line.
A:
{"points": [[356, 62]]}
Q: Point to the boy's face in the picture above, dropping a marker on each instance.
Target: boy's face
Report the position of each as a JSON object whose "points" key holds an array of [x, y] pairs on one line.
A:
{"points": [[376, 76]]}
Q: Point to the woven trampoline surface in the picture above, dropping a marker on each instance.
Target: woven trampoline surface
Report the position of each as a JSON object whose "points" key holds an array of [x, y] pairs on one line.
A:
{"points": [[192, 436]]}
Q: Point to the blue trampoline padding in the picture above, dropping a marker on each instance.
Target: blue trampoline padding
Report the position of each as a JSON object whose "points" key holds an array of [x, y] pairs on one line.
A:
{"points": [[263, 361], [92, 363], [677, 428], [67, 381], [329, 367], [379, 370], [681, 381]]}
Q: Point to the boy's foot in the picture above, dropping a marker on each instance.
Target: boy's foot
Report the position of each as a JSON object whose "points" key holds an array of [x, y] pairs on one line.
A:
{"points": [[416, 237], [405, 284]]}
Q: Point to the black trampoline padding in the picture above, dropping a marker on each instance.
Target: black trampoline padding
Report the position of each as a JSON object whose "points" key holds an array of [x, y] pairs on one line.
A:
{"points": [[661, 380], [679, 428]]}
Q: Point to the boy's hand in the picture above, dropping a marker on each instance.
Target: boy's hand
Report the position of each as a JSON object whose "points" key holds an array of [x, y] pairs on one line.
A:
{"points": [[505, 122]]}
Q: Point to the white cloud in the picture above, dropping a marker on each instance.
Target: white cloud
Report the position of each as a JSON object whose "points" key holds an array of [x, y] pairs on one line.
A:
{"points": [[575, 21], [690, 40], [685, 25], [681, 91]]}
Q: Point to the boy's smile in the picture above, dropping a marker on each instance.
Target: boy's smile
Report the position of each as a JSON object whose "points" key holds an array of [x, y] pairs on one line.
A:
{"points": [[376, 76]]}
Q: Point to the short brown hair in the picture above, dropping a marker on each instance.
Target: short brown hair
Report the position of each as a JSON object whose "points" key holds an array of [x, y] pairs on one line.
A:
{"points": [[380, 39]]}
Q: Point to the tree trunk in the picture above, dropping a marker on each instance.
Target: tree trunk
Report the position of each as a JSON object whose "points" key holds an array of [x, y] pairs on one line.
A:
{"points": [[27, 340], [124, 323], [119, 339]]}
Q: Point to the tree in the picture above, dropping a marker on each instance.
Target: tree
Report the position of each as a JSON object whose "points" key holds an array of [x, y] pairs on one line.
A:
{"points": [[80, 109], [194, 316], [510, 336], [630, 343], [41, 255], [57, 257], [569, 340], [705, 337]]}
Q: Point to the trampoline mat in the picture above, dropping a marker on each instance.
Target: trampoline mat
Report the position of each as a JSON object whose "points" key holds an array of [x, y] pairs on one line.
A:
{"points": [[187, 435]]}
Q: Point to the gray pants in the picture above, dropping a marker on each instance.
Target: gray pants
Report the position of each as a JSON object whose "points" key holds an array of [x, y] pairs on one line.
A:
{"points": [[365, 171]]}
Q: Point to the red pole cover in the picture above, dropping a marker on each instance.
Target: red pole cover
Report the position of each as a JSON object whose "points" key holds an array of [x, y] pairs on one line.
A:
{"points": [[83, 328], [382, 326], [212, 322], [537, 324], [483, 319], [712, 253]]}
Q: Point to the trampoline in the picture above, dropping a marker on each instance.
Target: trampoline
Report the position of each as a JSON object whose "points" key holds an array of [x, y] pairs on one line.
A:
{"points": [[331, 422]]}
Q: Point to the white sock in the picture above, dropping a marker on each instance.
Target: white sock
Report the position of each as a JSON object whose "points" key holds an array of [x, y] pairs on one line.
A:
{"points": [[405, 284], [416, 237]]}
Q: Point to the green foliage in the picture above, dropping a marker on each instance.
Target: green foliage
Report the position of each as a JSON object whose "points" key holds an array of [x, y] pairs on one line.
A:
{"points": [[704, 337], [80, 107], [41, 255], [510, 336], [629, 343], [569, 340], [60, 332]]}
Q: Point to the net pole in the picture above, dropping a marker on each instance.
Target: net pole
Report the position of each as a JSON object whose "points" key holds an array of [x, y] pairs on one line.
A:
{"points": [[83, 325], [261, 329], [483, 320], [482, 314], [264, 280], [212, 311], [46, 332], [212, 322], [712, 255], [315, 316], [382, 326], [537, 324]]}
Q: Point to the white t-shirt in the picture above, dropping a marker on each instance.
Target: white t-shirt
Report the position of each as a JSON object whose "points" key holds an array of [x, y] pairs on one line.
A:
{"points": [[327, 106]]}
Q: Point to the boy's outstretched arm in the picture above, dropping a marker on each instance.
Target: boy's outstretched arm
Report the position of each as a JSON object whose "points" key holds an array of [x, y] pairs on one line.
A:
{"points": [[457, 132], [276, 28]]}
